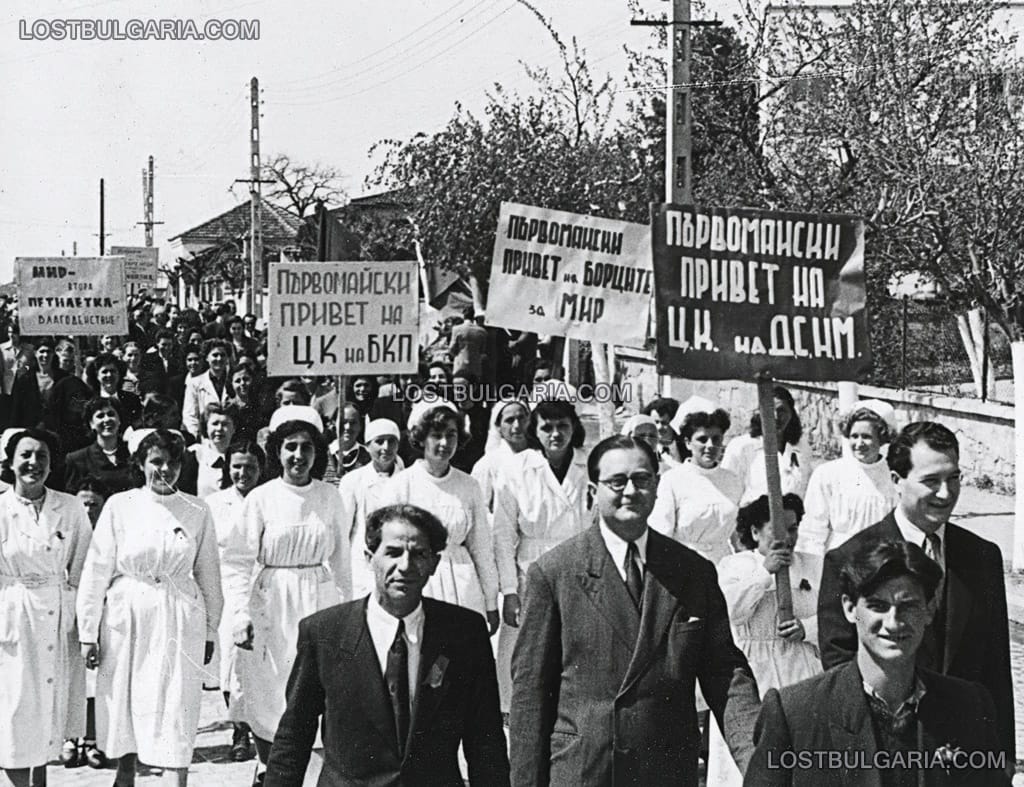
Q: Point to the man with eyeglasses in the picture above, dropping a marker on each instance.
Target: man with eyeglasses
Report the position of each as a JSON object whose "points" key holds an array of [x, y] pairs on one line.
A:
{"points": [[618, 624]]}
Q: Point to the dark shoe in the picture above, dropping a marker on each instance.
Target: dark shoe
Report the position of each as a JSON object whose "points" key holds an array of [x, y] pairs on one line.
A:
{"points": [[241, 745], [258, 779], [72, 755], [94, 758]]}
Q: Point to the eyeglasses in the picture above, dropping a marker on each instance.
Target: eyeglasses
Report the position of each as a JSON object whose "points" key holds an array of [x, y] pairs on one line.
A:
{"points": [[617, 483]]}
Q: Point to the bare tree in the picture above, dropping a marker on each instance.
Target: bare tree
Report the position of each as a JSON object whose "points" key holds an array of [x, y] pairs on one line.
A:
{"points": [[299, 187]]}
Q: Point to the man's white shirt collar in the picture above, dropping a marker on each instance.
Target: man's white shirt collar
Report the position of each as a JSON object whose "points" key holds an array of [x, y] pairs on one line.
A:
{"points": [[382, 621], [617, 548], [915, 535]]}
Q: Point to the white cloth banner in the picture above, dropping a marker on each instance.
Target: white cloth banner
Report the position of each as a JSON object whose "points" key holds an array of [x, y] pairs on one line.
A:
{"points": [[566, 274], [80, 296]]}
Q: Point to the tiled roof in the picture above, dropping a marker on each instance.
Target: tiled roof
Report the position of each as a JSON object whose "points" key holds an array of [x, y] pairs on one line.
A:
{"points": [[280, 226]]}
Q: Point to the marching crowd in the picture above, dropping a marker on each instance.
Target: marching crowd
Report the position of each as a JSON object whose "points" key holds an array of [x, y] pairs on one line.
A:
{"points": [[173, 518]]}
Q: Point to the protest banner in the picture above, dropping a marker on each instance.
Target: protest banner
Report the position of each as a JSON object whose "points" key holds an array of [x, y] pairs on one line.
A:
{"points": [[743, 292], [567, 274], [81, 296], [140, 266], [331, 318]]}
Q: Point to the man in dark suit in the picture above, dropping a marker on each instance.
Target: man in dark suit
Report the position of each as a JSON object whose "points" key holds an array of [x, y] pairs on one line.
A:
{"points": [[399, 680], [880, 719], [162, 368], [619, 623], [969, 636]]}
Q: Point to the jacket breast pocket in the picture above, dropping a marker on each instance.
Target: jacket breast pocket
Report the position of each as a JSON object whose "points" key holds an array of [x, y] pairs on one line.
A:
{"points": [[685, 642]]}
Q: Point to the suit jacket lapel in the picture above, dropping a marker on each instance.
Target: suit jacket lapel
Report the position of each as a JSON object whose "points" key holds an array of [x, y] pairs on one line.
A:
{"points": [[361, 667], [603, 585], [958, 598], [657, 609], [431, 683], [850, 725]]}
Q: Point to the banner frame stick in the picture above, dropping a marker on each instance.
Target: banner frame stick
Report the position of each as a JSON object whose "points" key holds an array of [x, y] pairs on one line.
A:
{"points": [[766, 405]]}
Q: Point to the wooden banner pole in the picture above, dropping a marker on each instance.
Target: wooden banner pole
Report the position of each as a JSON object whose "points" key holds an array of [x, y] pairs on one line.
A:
{"points": [[766, 403]]}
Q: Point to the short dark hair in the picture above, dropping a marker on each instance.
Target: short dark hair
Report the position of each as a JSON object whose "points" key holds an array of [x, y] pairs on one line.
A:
{"points": [[194, 349], [293, 385], [869, 415], [758, 511], [420, 518], [931, 433], [157, 405], [243, 447], [877, 562], [93, 484], [552, 410], [164, 439], [277, 438], [719, 419], [618, 442], [215, 408], [794, 429], [98, 404], [434, 420], [163, 333], [663, 404], [47, 438], [213, 344]]}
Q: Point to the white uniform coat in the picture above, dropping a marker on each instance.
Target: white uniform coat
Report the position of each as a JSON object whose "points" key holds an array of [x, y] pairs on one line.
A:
{"points": [[697, 508], [749, 592], [533, 513], [151, 597], [199, 392], [226, 507], [295, 541], [844, 496], [467, 574], [42, 676], [744, 456], [362, 491]]}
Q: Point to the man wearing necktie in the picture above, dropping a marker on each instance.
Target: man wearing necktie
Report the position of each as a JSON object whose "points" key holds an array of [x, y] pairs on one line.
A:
{"points": [[969, 634], [618, 624], [400, 681]]}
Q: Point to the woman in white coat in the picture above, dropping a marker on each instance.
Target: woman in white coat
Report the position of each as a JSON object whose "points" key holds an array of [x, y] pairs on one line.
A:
{"points": [[218, 430], [246, 464], [779, 653], [44, 536], [744, 455], [509, 419], [148, 608], [467, 574], [540, 500], [363, 490], [848, 494], [698, 499], [293, 538]]}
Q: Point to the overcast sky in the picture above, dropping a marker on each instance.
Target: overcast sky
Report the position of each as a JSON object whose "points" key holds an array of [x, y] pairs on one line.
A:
{"points": [[336, 77]]}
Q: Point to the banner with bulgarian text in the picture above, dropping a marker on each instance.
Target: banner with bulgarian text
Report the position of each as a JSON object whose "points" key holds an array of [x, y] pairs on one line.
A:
{"points": [[329, 318], [742, 291], [567, 274], [78, 296]]}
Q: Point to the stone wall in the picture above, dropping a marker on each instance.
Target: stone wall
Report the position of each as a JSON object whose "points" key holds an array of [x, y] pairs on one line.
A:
{"points": [[984, 429]]}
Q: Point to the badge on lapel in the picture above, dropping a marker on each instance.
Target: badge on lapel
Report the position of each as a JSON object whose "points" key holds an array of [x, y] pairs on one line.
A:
{"points": [[436, 675]]}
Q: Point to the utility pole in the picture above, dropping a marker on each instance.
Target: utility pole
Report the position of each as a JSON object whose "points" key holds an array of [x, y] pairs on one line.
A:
{"points": [[147, 203], [103, 234], [255, 213], [678, 108]]}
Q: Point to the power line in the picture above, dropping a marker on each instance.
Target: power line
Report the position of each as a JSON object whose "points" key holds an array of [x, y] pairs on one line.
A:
{"points": [[375, 52]]}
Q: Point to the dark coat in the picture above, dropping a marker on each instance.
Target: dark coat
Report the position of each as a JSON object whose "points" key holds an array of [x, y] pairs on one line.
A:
{"points": [[91, 461], [603, 695], [828, 715], [337, 678], [971, 620]]}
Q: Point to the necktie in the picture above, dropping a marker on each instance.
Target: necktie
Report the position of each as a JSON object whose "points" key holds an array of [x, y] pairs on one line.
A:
{"points": [[634, 581], [933, 547], [397, 677]]}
